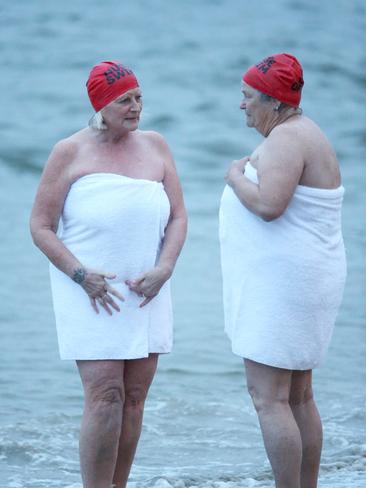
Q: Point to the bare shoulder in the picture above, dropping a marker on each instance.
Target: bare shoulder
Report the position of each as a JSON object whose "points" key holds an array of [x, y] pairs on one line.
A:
{"points": [[55, 181], [301, 147], [285, 131], [311, 126], [309, 139], [298, 136], [314, 133], [280, 158], [302, 130], [156, 139], [284, 141], [170, 179], [321, 164], [64, 153], [158, 144]]}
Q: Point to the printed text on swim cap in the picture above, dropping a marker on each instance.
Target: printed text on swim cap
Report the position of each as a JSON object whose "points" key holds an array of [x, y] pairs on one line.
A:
{"points": [[114, 73]]}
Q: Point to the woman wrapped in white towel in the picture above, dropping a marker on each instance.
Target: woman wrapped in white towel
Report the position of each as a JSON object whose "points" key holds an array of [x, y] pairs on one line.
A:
{"points": [[110, 217], [283, 264]]}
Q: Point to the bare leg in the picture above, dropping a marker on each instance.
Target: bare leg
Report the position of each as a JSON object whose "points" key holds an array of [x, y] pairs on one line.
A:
{"points": [[270, 389], [138, 376], [308, 420], [102, 419]]}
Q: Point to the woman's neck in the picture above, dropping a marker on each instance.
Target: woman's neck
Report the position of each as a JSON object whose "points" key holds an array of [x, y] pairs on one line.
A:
{"points": [[280, 119], [113, 136]]}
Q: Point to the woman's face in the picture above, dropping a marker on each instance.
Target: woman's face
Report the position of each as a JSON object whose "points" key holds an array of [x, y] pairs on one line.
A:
{"points": [[256, 110], [124, 112]]}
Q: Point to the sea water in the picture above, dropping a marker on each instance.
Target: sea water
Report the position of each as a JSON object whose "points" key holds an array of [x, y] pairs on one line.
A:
{"points": [[200, 429]]}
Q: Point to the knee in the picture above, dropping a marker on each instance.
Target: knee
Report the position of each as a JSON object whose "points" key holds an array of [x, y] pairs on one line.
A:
{"points": [[265, 401], [301, 397], [259, 400], [106, 396], [135, 397]]}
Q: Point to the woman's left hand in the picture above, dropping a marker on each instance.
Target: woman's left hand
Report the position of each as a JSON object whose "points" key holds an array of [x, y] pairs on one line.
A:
{"points": [[149, 284], [236, 170]]}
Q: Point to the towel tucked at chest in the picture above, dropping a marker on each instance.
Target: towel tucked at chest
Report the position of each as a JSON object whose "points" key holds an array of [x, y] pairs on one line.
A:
{"points": [[282, 280], [114, 224]]}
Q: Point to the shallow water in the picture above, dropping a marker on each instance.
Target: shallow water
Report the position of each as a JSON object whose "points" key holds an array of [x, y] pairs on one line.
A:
{"points": [[200, 429]]}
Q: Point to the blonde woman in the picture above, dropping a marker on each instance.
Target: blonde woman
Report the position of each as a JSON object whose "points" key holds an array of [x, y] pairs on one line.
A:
{"points": [[110, 217]]}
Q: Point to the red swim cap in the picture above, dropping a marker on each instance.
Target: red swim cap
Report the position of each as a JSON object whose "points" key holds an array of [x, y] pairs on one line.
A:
{"points": [[107, 81], [279, 76]]}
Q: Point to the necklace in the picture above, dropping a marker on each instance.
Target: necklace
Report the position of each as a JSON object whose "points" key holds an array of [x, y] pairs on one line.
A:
{"points": [[298, 111]]}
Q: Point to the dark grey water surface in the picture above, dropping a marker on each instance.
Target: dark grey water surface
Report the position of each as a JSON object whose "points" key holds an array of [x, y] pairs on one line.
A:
{"points": [[199, 428]]}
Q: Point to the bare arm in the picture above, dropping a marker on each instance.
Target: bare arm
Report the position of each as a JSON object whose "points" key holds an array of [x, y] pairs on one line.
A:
{"points": [[176, 230], [47, 208], [280, 167], [50, 198], [150, 283]]}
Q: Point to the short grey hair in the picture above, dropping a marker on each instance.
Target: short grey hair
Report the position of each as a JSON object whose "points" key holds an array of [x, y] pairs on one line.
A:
{"points": [[281, 107], [267, 98]]}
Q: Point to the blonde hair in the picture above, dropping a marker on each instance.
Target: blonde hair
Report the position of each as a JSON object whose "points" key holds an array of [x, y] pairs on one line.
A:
{"points": [[97, 122]]}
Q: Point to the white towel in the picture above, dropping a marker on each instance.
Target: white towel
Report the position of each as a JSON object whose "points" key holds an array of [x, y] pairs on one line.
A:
{"points": [[283, 280], [115, 224]]}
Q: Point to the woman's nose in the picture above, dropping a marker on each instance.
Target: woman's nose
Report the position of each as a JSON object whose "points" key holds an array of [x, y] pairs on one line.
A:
{"points": [[242, 105], [135, 106]]}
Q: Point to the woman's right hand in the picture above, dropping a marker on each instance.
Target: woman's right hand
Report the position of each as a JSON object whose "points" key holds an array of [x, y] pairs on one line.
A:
{"points": [[236, 170], [99, 291]]}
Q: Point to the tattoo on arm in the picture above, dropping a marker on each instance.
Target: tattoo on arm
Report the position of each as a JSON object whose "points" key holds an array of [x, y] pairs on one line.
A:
{"points": [[79, 275]]}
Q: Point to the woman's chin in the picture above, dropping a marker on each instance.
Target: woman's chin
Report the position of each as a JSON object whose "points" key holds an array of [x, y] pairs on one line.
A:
{"points": [[131, 124]]}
